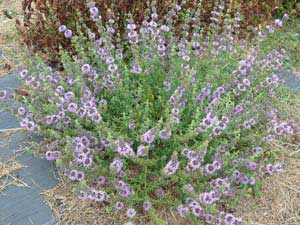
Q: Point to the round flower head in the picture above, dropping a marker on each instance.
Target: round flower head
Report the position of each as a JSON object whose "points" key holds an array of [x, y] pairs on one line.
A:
{"points": [[269, 169], [3, 94], [129, 223], [148, 137], [94, 11], [198, 211], [251, 166], [112, 68], [165, 28], [124, 149], [246, 82], [119, 205], [188, 188], [62, 28], [147, 205], [72, 107], [229, 219], [131, 26], [142, 151], [23, 73], [171, 167], [165, 134], [49, 155], [73, 175], [88, 162], [159, 192], [69, 95], [251, 180], [278, 22], [86, 68], [57, 154], [194, 164], [79, 176], [182, 210], [116, 165], [210, 168], [131, 212], [136, 69], [30, 126], [101, 180], [21, 111], [68, 33], [82, 195]]}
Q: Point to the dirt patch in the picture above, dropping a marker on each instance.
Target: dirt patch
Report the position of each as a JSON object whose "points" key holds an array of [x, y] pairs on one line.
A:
{"points": [[10, 48]]}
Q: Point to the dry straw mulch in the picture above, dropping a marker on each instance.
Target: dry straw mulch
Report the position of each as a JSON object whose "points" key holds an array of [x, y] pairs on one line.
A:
{"points": [[279, 203], [69, 210], [7, 176]]}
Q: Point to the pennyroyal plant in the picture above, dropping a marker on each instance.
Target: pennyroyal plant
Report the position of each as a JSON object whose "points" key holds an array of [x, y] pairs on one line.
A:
{"points": [[169, 122]]}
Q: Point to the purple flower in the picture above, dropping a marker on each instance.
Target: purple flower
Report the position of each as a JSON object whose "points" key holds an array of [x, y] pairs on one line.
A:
{"points": [[68, 33], [246, 82], [278, 168], [116, 165], [79, 175], [57, 154], [182, 210], [142, 151], [21, 111], [49, 155], [159, 192], [101, 180], [69, 95], [165, 28], [251, 166], [131, 26], [124, 149], [119, 205], [72, 107], [251, 180], [129, 223], [29, 126], [62, 28], [188, 188], [136, 69], [88, 162], [3, 94], [112, 68], [131, 212], [198, 211], [210, 169], [171, 167], [86, 68], [269, 169], [165, 134], [148, 137], [278, 22], [23, 73], [94, 11], [147, 205]]}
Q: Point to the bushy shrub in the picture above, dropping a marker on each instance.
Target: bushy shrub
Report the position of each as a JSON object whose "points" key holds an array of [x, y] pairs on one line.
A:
{"points": [[180, 122], [39, 32]]}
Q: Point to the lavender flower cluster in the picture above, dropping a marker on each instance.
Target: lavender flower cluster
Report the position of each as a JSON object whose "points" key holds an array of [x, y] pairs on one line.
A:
{"points": [[136, 123]]}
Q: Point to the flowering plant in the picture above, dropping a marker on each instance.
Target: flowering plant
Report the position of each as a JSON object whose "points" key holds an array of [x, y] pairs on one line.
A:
{"points": [[179, 122]]}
